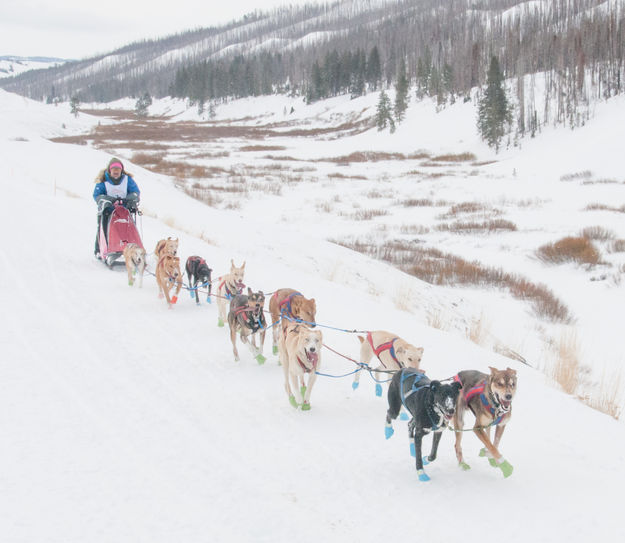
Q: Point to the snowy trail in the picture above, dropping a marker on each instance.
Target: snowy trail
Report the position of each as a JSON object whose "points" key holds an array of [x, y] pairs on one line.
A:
{"points": [[122, 420]]}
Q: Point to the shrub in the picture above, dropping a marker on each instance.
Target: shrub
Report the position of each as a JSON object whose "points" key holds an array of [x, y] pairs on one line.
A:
{"points": [[569, 249]]}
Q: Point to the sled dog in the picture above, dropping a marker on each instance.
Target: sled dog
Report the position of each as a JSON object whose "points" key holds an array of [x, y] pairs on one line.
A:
{"points": [[134, 257], [293, 305], [168, 276], [246, 317], [199, 275], [167, 246], [228, 286]]}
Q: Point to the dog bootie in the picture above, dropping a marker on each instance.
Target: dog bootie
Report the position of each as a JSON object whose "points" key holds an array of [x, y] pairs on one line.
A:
{"points": [[220, 323], [130, 282], [388, 431], [303, 390], [275, 350], [464, 466], [305, 406], [355, 385], [174, 299], [292, 401], [192, 294], [506, 468], [403, 416], [260, 359], [425, 460], [208, 299], [422, 475], [491, 460]]}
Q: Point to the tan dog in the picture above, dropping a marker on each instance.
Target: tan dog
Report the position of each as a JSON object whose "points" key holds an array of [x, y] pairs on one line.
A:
{"points": [[489, 397], [168, 275], [289, 303], [393, 353], [167, 246], [134, 257], [300, 354], [228, 286]]}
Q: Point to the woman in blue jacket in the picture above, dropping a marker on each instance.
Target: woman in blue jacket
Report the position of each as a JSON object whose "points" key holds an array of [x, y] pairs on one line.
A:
{"points": [[113, 184]]}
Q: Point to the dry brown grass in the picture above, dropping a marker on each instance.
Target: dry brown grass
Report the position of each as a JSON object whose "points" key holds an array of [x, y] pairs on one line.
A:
{"points": [[566, 367], [577, 176], [438, 268], [460, 157], [617, 246], [569, 249], [414, 229], [469, 227], [477, 330], [608, 397], [604, 207], [338, 175], [597, 233], [417, 202], [368, 214], [436, 320], [365, 156], [247, 148]]}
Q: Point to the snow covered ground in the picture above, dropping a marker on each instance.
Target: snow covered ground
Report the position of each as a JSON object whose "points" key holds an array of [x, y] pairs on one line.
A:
{"points": [[125, 421]]}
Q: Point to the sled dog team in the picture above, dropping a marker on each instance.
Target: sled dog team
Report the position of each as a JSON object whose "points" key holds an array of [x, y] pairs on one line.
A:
{"points": [[433, 405]]}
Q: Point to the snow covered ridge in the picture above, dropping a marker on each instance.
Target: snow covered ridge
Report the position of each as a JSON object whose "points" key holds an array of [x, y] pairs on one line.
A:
{"points": [[11, 65]]}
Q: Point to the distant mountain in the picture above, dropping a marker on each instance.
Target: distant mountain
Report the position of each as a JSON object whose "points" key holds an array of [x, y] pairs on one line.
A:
{"points": [[14, 65]]}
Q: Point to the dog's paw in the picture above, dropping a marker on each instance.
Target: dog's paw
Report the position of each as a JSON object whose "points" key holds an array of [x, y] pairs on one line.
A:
{"points": [[305, 406], [425, 460], [208, 299], [388, 431], [293, 401], [422, 475], [220, 323], [378, 389], [491, 460], [260, 359], [174, 299], [192, 294], [464, 466], [506, 468]]}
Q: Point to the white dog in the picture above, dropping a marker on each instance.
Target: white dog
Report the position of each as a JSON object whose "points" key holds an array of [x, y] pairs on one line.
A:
{"points": [[300, 354], [134, 257]]}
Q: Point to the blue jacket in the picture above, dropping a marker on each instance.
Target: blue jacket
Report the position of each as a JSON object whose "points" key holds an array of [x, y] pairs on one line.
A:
{"points": [[100, 188]]}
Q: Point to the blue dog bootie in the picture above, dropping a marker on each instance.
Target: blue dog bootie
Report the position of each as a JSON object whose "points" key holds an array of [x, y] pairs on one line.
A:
{"points": [[388, 431], [422, 475], [403, 416], [413, 451], [378, 389]]}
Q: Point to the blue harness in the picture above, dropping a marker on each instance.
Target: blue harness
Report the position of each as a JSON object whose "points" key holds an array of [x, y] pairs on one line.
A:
{"points": [[418, 375]]}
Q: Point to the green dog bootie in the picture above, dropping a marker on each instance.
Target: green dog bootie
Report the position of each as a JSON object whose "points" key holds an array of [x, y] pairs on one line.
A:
{"points": [[491, 460], [220, 323], [506, 468], [303, 390], [292, 401], [305, 406], [464, 466], [260, 359], [275, 350]]}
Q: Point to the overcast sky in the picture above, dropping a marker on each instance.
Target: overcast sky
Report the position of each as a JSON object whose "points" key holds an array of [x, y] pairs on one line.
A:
{"points": [[75, 29]]}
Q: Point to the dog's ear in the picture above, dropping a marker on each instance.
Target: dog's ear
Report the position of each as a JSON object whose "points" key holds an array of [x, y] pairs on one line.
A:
{"points": [[510, 370], [249, 291], [231, 264], [314, 304], [420, 351], [434, 385], [457, 385], [492, 370], [400, 350]]}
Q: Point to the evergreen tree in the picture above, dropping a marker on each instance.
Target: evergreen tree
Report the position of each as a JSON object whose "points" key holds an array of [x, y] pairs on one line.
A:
{"points": [[73, 105], [494, 110], [383, 114], [142, 104], [374, 68], [401, 92]]}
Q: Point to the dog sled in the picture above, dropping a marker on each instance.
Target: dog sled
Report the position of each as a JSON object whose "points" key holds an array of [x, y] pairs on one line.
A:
{"points": [[120, 230]]}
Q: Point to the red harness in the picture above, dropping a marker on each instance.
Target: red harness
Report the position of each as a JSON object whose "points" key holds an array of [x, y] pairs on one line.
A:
{"points": [[286, 302], [388, 346]]}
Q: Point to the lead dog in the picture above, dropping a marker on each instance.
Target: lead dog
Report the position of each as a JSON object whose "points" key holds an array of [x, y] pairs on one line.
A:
{"points": [[168, 275], [167, 246], [229, 285], [300, 354], [392, 351], [432, 405], [489, 397], [246, 317], [134, 257], [199, 274], [290, 304]]}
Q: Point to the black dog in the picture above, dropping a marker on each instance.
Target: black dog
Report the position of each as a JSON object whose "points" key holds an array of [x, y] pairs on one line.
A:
{"points": [[432, 405], [246, 317], [199, 274]]}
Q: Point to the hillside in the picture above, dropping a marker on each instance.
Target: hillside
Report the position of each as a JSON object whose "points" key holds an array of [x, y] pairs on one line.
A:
{"points": [[127, 421]]}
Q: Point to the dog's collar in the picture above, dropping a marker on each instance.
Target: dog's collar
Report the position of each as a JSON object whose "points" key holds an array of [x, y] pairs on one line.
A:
{"points": [[252, 323]]}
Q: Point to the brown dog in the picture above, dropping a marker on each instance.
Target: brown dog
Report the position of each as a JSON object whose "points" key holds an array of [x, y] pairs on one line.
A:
{"points": [[300, 355], [167, 246], [228, 286], [292, 304], [168, 275], [392, 351], [246, 318], [489, 397], [134, 257]]}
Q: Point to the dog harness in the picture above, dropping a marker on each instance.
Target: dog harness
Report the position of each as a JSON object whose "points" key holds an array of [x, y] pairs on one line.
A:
{"points": [[285, 305], [388, 346], [229, 293], [418, 375], [480, 389], [248, 317]]}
